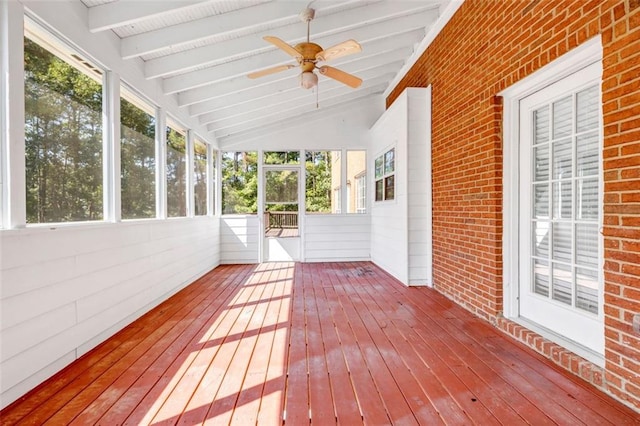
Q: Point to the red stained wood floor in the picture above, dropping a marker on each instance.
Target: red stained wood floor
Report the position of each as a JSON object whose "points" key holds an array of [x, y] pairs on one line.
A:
{"points": [[321, 343]]}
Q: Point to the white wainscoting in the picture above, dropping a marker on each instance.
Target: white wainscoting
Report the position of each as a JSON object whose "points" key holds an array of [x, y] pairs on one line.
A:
{"points": [[65, 289], [337, 238], [239, 239]]}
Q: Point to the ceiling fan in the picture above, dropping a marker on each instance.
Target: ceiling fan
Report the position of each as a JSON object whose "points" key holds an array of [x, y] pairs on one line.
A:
{"points": [[309, 54]]}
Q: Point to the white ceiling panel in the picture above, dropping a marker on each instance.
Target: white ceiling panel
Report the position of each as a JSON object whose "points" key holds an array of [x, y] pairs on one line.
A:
{"points": [[203, 50]]}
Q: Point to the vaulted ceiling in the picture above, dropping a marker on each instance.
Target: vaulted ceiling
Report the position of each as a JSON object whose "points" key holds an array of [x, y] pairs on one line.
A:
{"points": [[202, 50]]}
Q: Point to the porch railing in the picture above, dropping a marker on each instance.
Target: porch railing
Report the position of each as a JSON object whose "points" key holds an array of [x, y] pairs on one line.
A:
{"points": [[284, 220]]}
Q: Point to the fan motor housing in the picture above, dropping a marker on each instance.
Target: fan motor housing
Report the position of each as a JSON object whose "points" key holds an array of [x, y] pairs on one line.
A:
{"points": [[308, 52]]}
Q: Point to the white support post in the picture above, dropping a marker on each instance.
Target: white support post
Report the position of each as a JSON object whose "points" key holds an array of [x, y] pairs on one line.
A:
{"points": [[190, 163], [302, 202], [211, 180], [344, 208], [218, 188], [161, 164], [111, 193], [12, 118], [261, 206]]}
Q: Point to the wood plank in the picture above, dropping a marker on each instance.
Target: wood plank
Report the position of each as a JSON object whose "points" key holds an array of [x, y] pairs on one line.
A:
{"points": [[369, 400], [221, 409], [332, 343], [297, 401], [82, 401], [454, 330], [344, 399], [376, 319], [248, 403], [273, 394], [393, 399], [321, 406], [190, 399]]}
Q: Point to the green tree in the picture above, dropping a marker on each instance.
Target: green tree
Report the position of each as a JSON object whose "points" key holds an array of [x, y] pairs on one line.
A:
{"points": [[63, 139], [176, 173], [239, 182], [138, 162], [318, 182]]}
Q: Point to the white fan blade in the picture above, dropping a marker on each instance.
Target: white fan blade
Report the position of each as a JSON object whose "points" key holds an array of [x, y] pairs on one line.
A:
{"points": [[341, 76], [268, 71], [283, 46], [339, 50]]}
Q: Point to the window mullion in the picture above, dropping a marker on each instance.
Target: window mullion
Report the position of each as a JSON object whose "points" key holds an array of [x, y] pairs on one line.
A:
{"points": [[111, 147], [211, 181], [190, 178], [12, 189], [161, 164]]}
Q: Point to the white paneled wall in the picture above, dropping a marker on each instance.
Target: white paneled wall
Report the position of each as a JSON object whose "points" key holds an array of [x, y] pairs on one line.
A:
{"points": [[401, 228], [65, 289], [419, 185], [334, 238], [389, 218], [239, 239]]}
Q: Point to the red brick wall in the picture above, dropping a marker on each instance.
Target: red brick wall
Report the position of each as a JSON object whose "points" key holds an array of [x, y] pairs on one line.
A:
{"points": [[487, 46]]}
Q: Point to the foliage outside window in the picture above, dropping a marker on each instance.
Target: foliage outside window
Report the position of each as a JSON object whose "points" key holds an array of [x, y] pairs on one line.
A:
{"points": [[176, 171], [200, 178], [281, 157], [385, 176], [63, 135], [318, 166], [239, 182], [356, 172], [137, 157]]}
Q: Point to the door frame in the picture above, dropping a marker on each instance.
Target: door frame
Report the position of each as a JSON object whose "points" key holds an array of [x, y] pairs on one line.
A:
{"points": [[262, 169], [584, 55]]}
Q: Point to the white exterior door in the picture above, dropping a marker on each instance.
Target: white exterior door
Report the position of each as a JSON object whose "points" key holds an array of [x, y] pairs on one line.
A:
{"points": [[560, 205]]}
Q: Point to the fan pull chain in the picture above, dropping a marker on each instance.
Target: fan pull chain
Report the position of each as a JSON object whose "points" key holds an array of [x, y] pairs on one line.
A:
{"points": [[318, 96]]}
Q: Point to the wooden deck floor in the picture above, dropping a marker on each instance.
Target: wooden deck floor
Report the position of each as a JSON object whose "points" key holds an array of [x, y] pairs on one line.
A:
{"points": [[333, 342]]}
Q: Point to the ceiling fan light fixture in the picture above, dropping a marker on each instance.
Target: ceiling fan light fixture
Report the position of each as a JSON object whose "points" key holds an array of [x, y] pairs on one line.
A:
{"points": [[308, 79]]}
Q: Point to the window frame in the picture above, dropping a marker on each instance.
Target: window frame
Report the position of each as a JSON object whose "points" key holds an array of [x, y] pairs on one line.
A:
{"points": [[385, 177], [153, 110], [177, 126], [82, 62]]}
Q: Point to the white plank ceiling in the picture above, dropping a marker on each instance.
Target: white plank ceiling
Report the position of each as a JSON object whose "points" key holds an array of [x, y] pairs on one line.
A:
{"points": [[202, 50]]}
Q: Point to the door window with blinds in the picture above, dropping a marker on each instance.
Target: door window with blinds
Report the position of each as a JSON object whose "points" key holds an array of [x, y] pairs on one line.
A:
{"points": [[565, 184], [560, 205]]}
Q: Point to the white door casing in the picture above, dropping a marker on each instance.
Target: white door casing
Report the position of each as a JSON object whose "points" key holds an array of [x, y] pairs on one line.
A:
{"points": [[565, 309]]}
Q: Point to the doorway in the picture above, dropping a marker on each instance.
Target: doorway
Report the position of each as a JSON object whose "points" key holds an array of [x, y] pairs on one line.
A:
{"points": [[281, 213]]}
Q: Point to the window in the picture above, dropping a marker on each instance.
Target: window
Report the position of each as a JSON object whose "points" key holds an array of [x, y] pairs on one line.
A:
{"points": [[63, 134], [239, 182], [356, 174], [200, 177], [137, 157], [564, 219], [385, 176], [318, 165], [176, 170]]}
